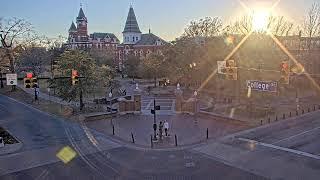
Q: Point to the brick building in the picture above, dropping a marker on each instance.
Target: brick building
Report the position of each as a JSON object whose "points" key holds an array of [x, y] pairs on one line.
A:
{"points": [[80, 39], [134, 41]]}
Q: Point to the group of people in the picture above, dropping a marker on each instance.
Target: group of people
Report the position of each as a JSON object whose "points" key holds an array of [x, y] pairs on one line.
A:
{"points": [[163, 125]]}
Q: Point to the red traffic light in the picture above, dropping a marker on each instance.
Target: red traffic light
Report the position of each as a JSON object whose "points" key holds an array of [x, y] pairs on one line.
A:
{"points": [[74, 73], [284, 65], [29, 75]]}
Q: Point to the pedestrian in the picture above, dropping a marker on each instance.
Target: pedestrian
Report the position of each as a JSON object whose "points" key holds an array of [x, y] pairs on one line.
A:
{"points": [[166, 127], [160, 129]]}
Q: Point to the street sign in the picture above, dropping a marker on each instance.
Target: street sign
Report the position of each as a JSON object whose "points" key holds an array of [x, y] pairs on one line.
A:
{"points": [[12, 79], [266, 86], [221, 67]]}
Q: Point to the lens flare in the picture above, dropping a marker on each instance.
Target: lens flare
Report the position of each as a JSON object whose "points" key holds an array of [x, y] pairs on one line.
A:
{"points": [[260, 20]]}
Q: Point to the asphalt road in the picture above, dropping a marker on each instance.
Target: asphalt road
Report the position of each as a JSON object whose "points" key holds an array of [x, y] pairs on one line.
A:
{"points": [[43, 135], [301, 134], [123, 163]]}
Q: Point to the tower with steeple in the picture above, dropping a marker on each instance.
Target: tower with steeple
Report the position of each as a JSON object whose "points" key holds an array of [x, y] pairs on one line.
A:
{"points": [[131, 32], [82, 24], [72, 32]]}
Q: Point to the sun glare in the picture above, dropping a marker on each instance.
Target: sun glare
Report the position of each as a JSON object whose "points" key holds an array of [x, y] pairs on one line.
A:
{"points": [[260, 20]]}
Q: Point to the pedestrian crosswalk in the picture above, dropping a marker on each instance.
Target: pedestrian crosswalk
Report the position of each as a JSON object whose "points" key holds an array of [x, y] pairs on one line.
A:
{"points": [[166, 105]]}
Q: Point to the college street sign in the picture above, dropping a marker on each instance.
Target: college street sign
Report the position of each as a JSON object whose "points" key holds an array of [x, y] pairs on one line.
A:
{"points": [[265, 86]]}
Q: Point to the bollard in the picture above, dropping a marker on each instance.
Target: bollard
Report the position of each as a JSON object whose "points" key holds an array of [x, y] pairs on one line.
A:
{"points": [[113, 130], [175, 140], [308, 109], [207, 133], [151, 142], [132, 137], [261, 122], [290, 115], [297, 113], [269, 120], [284, 116]]}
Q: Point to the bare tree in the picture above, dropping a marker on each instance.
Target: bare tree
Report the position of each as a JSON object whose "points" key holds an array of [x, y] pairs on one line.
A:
{"points": [[12, 31], [243, 25], [207, 27], [312, 21], [279, 26]]}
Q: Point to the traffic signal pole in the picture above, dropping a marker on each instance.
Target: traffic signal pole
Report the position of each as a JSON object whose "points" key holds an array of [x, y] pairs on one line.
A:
{"points": [[35, 94], [154, 120]]}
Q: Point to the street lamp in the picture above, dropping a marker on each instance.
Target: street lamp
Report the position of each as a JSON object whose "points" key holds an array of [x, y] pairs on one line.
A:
{"points": [[195, 94], [110, 96], [110, 99]]}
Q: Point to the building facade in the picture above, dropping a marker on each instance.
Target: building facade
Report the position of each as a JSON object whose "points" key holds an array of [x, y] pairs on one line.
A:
{"points": [[80, 39], [134, 41]]}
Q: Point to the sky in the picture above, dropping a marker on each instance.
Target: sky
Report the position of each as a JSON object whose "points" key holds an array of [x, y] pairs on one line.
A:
{"points": [[165, 18]]}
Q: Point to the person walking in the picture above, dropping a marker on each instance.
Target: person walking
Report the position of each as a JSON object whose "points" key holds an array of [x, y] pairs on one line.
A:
{"points": [[160, 129], [166, 127]]}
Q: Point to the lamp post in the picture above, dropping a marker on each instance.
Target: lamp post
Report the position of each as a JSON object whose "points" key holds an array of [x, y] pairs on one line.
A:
{"points": [[1, 82], [110, 99]]}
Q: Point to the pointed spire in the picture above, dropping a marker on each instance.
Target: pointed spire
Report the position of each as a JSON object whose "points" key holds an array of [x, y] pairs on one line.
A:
{"points": [[131, 23], [72, 27], [81, 14]]}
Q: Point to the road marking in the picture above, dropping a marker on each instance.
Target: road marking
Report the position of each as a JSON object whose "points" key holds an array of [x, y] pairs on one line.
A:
{"points": [[281, 148], [148, 106], [291, 137]]}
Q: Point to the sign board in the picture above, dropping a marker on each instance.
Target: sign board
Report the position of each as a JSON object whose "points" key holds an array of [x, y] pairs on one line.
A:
{"points": [[1, 142], [12, 79], [221, 66], [266, 86]]}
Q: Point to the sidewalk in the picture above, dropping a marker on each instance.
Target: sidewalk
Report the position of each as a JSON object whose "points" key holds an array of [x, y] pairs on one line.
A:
{"points": [[189, 129]]}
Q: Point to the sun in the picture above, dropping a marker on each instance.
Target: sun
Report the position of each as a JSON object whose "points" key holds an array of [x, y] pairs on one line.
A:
{"points": [[260, 20]]}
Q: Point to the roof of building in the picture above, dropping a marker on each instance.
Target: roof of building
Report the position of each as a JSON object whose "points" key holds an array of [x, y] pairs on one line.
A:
{"points": [[149, 39], [81, 14], [131, 23], [100, 35], [72, 27]]}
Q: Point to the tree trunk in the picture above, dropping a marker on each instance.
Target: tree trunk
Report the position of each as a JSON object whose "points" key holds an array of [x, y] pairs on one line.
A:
{"points": [[11, 67]]}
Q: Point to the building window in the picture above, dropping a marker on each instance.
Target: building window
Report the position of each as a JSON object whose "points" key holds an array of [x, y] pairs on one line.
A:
{"points": [[133, 39], [137, 39]]}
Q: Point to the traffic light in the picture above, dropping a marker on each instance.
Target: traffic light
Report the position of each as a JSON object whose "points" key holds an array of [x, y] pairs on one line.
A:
{"points": [[231, 70], [28, 81], [34, 82], [284, 72], [75, 77]]}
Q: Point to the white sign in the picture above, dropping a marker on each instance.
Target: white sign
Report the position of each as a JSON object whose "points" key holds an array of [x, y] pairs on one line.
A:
{"points": [[12, 79], [1, 142], [221, 66]]}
